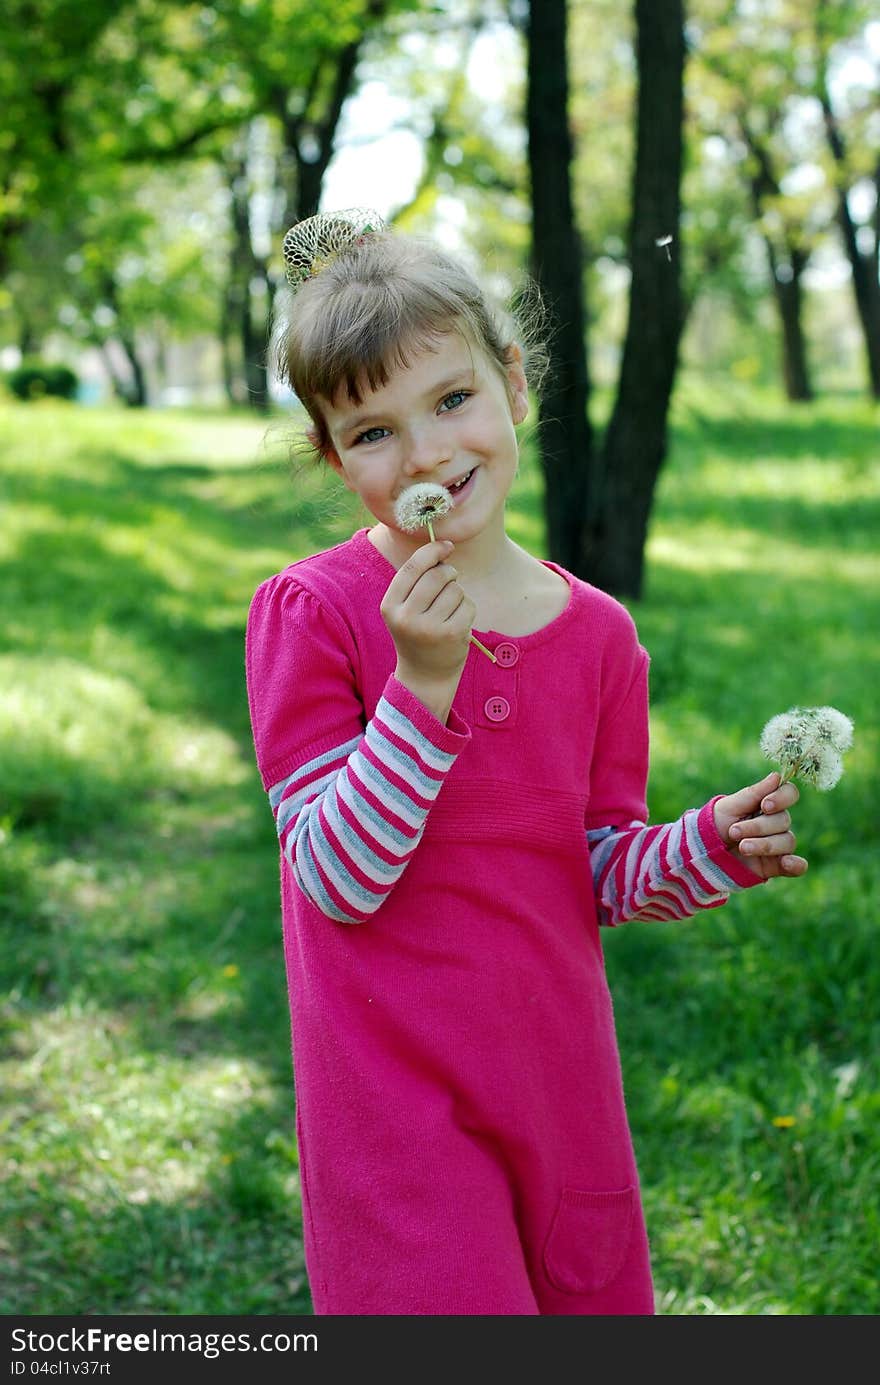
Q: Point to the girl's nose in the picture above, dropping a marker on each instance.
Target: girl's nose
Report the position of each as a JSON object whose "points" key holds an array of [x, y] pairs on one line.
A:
{"points": [[424, 453]]}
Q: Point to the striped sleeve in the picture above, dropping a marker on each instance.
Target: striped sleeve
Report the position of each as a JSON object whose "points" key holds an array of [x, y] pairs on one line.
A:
{"points": [[665, 872], [350, 796], [350, 819]]}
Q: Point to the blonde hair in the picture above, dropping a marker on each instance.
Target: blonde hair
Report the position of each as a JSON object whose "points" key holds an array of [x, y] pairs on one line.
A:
{"points": [[377, 303]]}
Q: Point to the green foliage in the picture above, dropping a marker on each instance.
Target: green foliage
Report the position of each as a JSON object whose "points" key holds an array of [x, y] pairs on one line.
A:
{"points": [[34, 379], [131, 130], [756, 80], [149, 1154]]}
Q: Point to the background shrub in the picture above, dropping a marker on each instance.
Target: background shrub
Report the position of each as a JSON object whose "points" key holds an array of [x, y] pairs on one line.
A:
{"points": [[35, 378]]}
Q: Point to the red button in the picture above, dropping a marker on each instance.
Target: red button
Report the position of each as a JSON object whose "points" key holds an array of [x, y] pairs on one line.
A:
{"points": [[497, 708], [506, 654]]}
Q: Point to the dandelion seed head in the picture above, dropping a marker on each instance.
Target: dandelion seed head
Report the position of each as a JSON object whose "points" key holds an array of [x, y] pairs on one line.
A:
{"points": [[420, 505], [772, 737], [807, 743], [829, 772], [835, 728]]}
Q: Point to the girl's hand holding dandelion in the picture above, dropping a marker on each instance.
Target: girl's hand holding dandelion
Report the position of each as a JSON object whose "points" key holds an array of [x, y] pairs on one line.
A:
{"points": [[807, 744], [429, 617], [427, 613], [417, 508]]}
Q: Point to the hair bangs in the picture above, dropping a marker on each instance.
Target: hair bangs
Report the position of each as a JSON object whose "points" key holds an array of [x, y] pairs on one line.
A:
{"points": [[357, 346]]}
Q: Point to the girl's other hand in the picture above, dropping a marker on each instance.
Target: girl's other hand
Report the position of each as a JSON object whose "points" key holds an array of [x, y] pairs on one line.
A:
{"points": [[755, 822], [430, 619]]}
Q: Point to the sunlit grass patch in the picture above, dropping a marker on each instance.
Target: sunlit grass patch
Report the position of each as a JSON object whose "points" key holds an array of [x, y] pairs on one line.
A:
{"points": [[142, 1175], [715, 547], [79, 745]]}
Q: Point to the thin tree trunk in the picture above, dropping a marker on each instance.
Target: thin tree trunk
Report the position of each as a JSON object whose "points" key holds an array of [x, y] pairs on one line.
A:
{"points": [[28, 342], [244, 267], [786, 280], [635, 442], [136, 394], [227, 315], [565, 435], [309, 137], [254, 338], [163, 369], [119, 385], [10, 230], [863, 265], [785, 275], [137, 397], [867, 295]]}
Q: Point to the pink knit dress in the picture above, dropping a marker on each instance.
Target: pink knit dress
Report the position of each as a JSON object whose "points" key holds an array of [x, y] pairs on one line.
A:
{"points": [[462, 1133]]}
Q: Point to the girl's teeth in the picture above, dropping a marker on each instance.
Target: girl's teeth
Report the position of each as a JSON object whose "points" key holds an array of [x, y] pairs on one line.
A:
{"points": [[463, 482]]}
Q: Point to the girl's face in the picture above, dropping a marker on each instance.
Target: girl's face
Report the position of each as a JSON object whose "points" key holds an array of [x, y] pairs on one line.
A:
{"points": [[447, 418]]}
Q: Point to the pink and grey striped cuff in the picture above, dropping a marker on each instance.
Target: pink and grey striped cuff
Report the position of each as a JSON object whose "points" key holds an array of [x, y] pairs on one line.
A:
{"points": [[350, 818], [665, 872]]}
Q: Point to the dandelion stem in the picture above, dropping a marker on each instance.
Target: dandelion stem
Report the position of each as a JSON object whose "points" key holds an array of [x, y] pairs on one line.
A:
{"points": [[473, 639]]}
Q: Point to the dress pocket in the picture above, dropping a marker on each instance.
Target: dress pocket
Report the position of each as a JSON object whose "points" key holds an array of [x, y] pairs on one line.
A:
{"points": [[589, 1239]]}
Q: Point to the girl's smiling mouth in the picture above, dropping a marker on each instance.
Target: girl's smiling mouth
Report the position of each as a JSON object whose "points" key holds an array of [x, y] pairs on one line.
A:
{"points": [[457, 488]]}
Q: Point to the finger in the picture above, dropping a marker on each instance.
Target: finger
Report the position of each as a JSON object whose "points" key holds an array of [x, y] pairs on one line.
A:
{"points": [[781, 844], [458, 622], [785, 796], [431, 586], [424, 558], [446, 603], [424, 590], [764, 826], [793, 865], [746, 801], [771, 867]]}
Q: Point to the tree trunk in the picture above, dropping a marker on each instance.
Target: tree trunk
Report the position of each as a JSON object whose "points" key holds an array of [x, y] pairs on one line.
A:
{"points": [[634, 446], [227, 366], [786, 279], [28, 341], [244, 267], [136, 394], [787, 260], [119, 385], [866, 289], [564, 433], [866, 284], [255, 341]]}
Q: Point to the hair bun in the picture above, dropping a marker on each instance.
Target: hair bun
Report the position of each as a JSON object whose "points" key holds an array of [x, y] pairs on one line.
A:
{"points": [[312, 244]]}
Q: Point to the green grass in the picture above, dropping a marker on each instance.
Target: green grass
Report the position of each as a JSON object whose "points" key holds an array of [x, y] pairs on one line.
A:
{"points": [[149, 1162]]}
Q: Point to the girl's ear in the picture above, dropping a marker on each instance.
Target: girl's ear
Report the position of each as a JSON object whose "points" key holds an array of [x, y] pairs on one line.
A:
{"points": [[517, 384], [327, 451]]}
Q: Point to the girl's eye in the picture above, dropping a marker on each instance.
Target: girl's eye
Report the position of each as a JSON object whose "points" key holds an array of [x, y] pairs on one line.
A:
{"points": [[454, 400], [370, 435]]}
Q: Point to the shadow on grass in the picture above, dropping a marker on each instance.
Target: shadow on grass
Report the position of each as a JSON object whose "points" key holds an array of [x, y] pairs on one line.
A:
{"points": [[94, 1245], [787, 439], [853, 525], [156, 569]]}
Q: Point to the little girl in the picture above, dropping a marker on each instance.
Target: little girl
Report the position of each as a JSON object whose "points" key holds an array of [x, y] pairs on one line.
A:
{"points": [[455, 827]]}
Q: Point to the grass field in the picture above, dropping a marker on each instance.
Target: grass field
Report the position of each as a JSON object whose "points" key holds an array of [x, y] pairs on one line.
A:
{"points": [[148, 1153]]}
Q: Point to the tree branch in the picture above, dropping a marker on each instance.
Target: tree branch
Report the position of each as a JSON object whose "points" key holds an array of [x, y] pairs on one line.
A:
{"points": [[185, 145]]}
